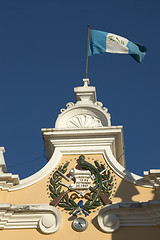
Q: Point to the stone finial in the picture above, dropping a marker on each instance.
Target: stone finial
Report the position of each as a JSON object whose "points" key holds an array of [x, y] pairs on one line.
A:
{"points": [[86, 82], [85, 94], [2, 161]]}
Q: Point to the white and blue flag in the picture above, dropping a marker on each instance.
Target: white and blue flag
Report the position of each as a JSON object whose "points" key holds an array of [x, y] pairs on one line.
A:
{"points": [[100, 42]]}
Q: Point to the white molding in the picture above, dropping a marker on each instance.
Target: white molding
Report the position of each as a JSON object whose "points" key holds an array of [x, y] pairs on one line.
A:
{"points": [[3, 168], [75, 142], [98, 135], [41, 216], [40, 174], [95, 111], [7, 180], [113, 216], [153, 177]]}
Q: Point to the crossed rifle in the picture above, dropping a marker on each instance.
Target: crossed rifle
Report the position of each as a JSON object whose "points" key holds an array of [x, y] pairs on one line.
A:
{"points": [[56, 200]]}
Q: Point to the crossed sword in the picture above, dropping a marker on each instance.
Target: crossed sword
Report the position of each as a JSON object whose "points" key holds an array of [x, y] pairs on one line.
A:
{"points": [[56, 200]]}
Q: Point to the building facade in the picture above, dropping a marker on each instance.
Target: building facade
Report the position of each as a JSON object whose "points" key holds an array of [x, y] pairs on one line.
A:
{"points": [[84, 191]]}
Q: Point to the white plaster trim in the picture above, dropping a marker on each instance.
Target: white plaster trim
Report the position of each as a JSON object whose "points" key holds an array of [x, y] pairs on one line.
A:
{"points": [[89, 141], [95, 111], [3, 168], [99, 135], [153, 177], [7, 180], [40, 174], [59, 151], [68, 142], [41, 216], [121, 171], [113, 216]]}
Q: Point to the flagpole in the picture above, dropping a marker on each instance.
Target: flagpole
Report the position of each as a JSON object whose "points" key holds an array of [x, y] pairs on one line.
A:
{"points": [[87, 51]]}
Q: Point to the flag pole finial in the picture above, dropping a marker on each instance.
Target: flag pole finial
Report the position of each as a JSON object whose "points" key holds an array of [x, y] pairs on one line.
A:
{"points": [[86, 82], [87, 52]]}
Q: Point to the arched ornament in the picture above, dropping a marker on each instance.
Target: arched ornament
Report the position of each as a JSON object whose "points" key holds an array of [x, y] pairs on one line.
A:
{"points": [[83, 116], [83, 121], [87, 112]]}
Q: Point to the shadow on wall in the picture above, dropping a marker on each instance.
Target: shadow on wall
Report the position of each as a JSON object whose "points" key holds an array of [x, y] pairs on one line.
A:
{"points": [[126, 191], [138, 233]]}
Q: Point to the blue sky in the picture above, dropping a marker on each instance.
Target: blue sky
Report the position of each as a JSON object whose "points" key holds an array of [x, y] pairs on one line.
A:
{"points": [[42, 58]]}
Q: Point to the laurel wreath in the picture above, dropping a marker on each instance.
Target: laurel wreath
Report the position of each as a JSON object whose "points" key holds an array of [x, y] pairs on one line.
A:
{"points": [[67, 202], [54, 187]]}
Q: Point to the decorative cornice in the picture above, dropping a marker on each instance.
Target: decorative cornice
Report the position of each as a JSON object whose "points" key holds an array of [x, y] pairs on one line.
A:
{"points": [[44, 217], [111, 217], [152, 177], [7, 180], [84, 141], [70, 105], [112, 136]]}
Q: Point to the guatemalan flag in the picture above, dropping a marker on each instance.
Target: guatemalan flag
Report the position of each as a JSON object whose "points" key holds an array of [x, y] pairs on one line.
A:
{"points": [[100, 42]]}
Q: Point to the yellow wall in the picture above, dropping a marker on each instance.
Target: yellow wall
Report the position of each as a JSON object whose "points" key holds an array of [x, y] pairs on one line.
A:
{"points": [[38, 193], [124, 233]]}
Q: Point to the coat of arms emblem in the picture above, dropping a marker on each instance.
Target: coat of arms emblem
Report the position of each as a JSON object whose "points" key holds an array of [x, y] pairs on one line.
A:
{"points": [[87, 186]]}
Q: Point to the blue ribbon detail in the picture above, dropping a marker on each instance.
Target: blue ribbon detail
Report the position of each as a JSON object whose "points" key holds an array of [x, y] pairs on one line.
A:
{"points": [[80, 204]]}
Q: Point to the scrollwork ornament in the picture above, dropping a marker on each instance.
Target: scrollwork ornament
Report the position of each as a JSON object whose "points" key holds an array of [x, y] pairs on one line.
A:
{"points": [[70, 104], [99, 104]]}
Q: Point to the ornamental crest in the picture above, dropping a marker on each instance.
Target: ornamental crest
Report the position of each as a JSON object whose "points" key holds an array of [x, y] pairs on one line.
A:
{"points": [[82, 188]]}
